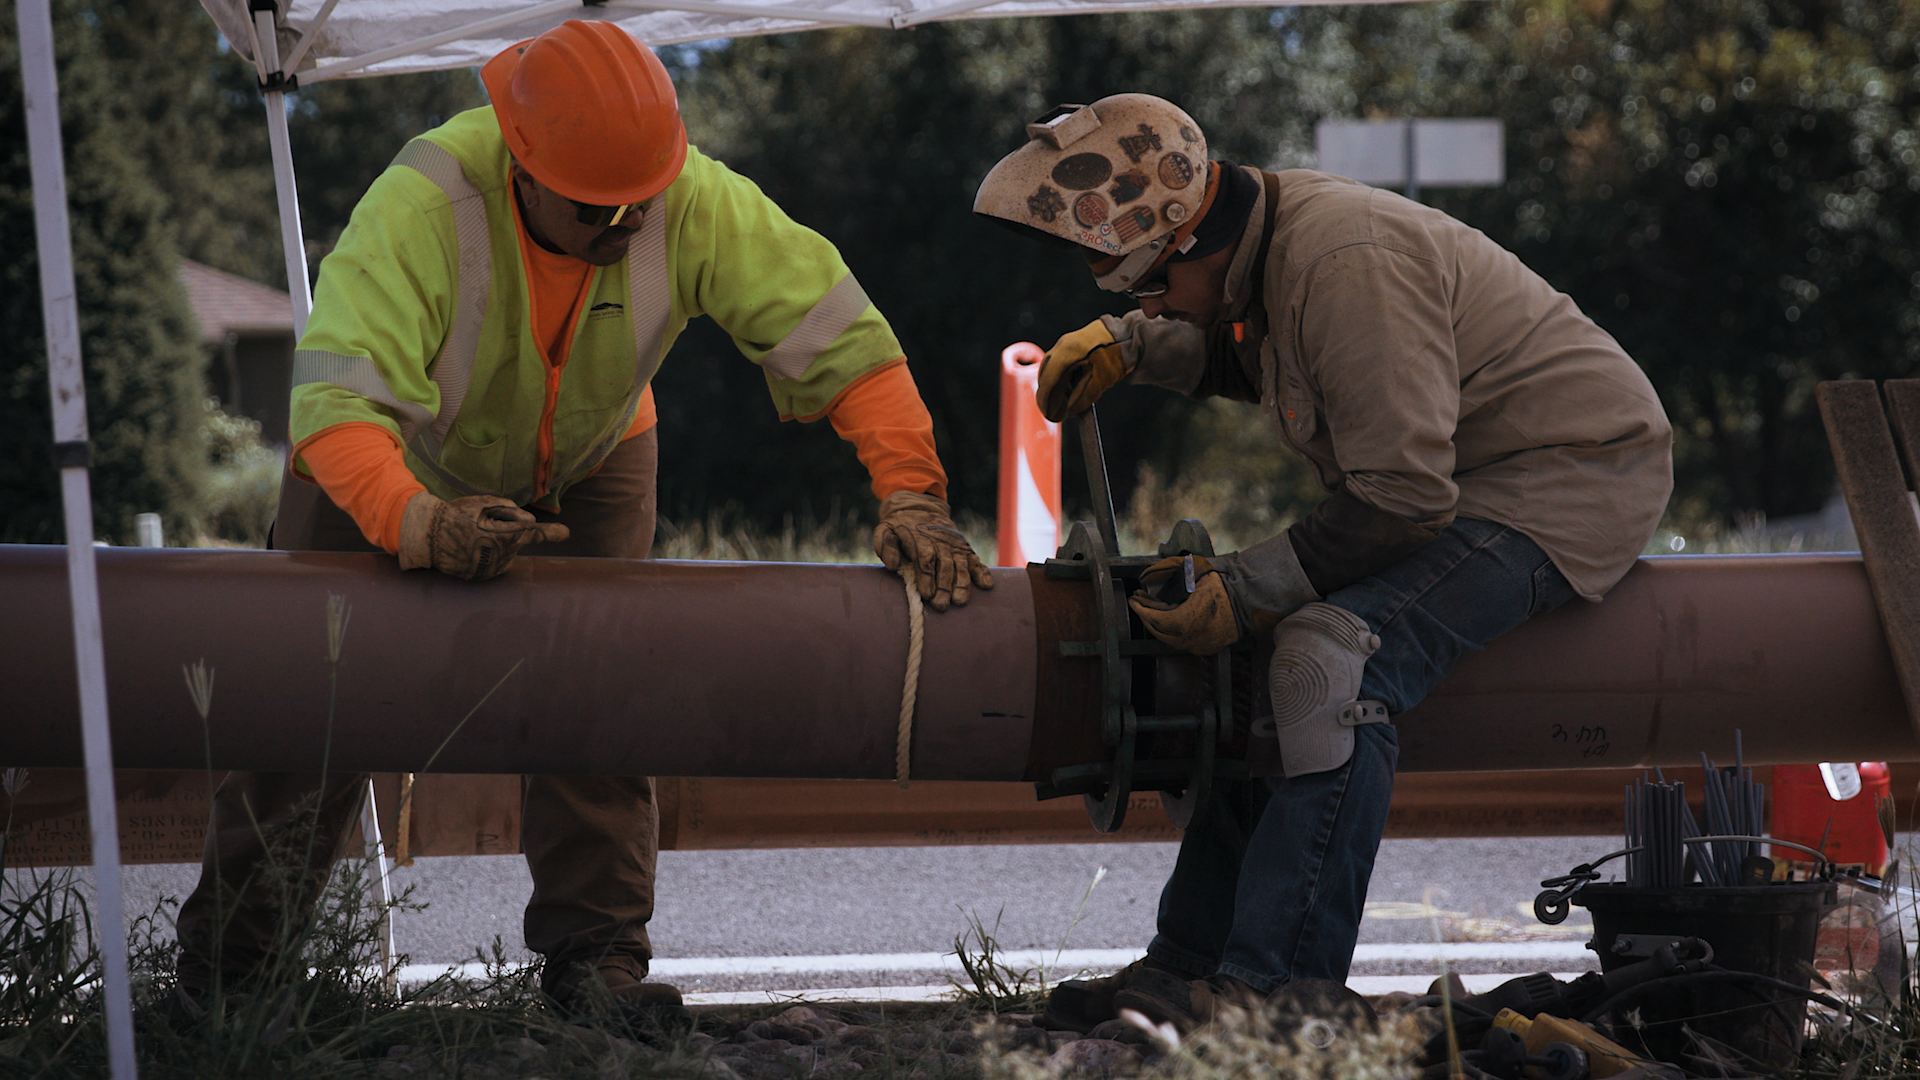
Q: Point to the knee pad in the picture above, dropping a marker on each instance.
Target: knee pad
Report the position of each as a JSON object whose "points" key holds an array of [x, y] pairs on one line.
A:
{"points": [[1319, 653]]}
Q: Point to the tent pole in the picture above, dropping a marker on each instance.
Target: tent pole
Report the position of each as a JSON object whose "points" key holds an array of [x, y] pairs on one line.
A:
{"points": [[292, 243], [72, 454]]}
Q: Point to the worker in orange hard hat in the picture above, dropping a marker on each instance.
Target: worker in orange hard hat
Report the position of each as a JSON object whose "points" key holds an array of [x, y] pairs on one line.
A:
{"points": [[1489, 454], [475, 378]]}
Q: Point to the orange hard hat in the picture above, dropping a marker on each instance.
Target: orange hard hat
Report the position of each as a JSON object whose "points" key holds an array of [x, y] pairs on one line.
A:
{"points": [[589, 112]]}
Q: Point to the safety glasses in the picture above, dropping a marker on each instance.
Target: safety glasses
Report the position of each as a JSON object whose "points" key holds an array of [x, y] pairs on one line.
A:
{"points": [[601, 217], [1155, 285]]}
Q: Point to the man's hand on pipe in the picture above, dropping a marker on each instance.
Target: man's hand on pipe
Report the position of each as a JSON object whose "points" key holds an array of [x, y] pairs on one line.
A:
{"points": [[916, 532], [472, 538], [1184, 602]]}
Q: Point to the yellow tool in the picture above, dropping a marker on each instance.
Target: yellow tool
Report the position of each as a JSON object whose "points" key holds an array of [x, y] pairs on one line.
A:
{"points": [[1606, 1057]]}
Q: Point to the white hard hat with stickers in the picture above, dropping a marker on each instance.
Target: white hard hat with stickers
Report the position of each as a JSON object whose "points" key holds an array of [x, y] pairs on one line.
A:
{"points": [[1119, 177]]}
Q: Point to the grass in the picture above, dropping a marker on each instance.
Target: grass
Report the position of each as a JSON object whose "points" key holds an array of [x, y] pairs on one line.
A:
{"points": [[330, 1013], [993, 986]]}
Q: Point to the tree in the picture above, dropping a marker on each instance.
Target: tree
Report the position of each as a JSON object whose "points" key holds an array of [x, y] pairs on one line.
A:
{"points": [[346, 132], [1731, 187], [183, 87], [878, 140], [189, 109], [144, 374]]}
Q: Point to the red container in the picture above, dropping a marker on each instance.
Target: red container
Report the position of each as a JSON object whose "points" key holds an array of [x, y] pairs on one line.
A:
{"points": [[1802, 809]]}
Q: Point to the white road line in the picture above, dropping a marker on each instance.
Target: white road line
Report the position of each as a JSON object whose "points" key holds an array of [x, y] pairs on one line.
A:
{"points": [[846, 993], [1058, 965], [1359, 984], [1476, 950], [1018, 959]]}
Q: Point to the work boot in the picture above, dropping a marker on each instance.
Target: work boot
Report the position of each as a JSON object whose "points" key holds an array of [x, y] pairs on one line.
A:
{"points": [[1186, 1004], [581, 990], [1081, 1004]]}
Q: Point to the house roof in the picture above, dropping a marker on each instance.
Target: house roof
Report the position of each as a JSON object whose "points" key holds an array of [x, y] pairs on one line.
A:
{"points": [[229, 304]]}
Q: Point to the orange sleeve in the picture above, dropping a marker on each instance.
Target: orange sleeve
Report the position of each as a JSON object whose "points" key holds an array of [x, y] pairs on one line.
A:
{"points": [[362, 468], [882, 415], [644, 416]]}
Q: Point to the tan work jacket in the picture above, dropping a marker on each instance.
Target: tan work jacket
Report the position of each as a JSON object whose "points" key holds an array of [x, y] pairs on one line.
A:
{"points": [[1423, 368]]}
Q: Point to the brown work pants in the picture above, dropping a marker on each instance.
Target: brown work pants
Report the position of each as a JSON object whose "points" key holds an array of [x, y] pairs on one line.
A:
{"points": [[591, 841]]}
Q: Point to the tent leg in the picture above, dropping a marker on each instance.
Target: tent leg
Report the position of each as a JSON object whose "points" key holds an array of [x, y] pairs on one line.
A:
{"points": [[72, 455], [376, 854], [292, 243]]}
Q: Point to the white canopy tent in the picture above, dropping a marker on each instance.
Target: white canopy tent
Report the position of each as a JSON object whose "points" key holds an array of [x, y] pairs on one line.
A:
{"points": [[293, 42], [329, 39]]}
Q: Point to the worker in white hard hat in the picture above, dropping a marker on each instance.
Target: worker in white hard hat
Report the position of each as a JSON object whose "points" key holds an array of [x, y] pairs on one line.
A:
{"points": [[1490, 454], [476, 378]]}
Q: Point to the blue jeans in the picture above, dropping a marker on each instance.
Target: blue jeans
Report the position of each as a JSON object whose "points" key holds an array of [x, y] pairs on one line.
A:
{"points": [[1271, 882]]}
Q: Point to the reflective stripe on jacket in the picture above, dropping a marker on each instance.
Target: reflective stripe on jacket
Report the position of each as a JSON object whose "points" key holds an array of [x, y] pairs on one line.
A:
{"points": [[421, 320]]}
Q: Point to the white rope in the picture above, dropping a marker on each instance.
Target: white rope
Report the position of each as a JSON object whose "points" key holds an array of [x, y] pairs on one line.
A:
{"points": [[910, 692]]}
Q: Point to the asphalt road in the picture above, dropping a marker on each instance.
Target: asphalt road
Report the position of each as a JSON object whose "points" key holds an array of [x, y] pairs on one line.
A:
{"points": [[880, 902]]}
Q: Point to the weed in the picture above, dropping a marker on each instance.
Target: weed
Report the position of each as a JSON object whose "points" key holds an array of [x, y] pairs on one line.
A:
{"points": [[49, 967], [1079, 913], [996, 986]]}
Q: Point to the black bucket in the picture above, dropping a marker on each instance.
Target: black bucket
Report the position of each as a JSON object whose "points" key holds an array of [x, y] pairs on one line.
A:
{"points": [[1762, 929]]}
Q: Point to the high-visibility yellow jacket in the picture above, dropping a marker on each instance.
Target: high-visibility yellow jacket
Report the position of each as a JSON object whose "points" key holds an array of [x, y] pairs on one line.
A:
{"points": [[421, 321]]}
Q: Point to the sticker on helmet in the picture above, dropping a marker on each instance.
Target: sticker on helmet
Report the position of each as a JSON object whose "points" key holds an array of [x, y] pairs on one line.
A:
{"points": [[1082, 171], [1045, 204], [1176, 171], [1132, 223], [1090, 210], [1136, 146], [1128, 187], [1189, 135], [1101, 238]]}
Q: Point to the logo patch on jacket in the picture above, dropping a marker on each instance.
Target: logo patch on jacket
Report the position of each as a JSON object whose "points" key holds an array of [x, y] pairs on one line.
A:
{"points": [[607, 310]]}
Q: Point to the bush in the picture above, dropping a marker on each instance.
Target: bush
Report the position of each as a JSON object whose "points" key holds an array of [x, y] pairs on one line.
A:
{"points": [[241, 487]]}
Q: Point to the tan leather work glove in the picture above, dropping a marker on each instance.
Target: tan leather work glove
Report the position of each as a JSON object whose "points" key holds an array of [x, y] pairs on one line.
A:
{"points": [[917, 531], [472, 538], [1078, 369], [1200, 622]]}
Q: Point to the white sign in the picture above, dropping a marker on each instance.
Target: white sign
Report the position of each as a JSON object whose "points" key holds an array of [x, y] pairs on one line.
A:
{"points": [[1445, 153]]}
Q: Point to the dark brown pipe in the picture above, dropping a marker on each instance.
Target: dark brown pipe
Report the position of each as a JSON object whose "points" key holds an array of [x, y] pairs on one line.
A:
{"points": [[602, 666], [783, 670], [1682, 653]]}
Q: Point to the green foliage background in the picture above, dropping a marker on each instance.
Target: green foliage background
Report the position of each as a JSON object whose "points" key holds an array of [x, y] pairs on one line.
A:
{"points": [[1729, 186], [166, 156], [144, 370], [1732, 187]]}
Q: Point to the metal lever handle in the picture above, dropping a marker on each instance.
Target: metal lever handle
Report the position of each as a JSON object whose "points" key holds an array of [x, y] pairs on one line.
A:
{"points": [[1096, 462]]}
